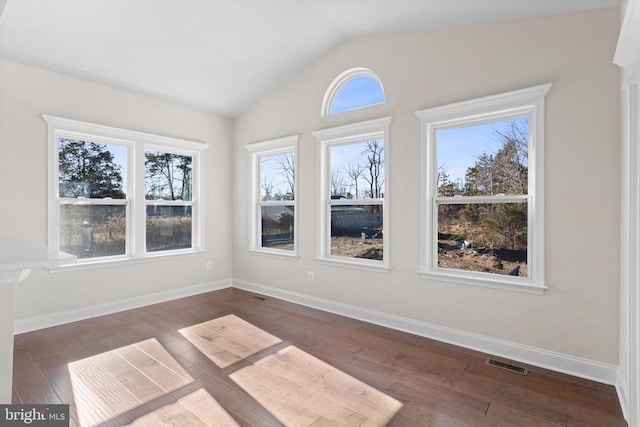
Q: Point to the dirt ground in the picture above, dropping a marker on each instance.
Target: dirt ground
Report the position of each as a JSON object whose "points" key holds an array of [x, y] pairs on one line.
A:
{"points": [[356, 248], [447, 258], [462, 260]]}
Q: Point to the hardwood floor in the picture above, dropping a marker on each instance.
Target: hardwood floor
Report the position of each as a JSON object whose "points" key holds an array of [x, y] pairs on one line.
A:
{"points": [[136, 366]]}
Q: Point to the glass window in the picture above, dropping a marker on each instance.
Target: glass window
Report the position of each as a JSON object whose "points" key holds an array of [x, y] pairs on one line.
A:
{"points": [[353, 89], [353, 227], [484, 160], [357, 93], [117, 194], [482, 205], [357, 173], [274, 201], [169, 200], [92, 194]]}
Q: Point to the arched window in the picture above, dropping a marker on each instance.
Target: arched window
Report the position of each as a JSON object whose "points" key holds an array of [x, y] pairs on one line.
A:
{"points": [[353, 89]]}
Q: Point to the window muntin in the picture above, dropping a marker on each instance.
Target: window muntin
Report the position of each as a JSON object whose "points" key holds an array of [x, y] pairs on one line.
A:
{"points": [[353, 227], [482, 215], [274, 171], [353, 89], [99, 179]]}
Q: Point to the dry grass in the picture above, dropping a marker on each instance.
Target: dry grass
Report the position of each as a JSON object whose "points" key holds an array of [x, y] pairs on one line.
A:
{"points": [[355, 247]]}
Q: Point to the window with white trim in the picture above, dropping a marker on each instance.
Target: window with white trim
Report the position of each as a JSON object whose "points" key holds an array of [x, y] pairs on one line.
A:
{"points": [[353, 89], [482, 213], [168, 187], [353, 228], [116, 194], [273, 218]]}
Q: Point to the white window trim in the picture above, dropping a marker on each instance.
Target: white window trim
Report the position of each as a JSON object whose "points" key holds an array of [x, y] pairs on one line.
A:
{"points": [[357, 132], [340, 81], [529, 102], [137, 143], [284, 145]]}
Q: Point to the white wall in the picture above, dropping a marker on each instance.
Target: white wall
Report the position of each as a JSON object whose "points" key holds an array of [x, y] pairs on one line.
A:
{"points": [[579, 314], [628, 378], [25, 94]]}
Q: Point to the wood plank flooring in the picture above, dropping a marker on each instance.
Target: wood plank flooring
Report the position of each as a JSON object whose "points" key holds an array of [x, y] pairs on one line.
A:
{"points": [[141, 368]]}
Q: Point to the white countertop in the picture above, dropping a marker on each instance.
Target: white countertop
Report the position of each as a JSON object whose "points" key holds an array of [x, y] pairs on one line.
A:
{"points": [[18, 254]]}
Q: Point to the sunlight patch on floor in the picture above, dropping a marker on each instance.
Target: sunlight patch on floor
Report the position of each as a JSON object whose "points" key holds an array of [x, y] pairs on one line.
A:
{"points": [[112, 383], [301, 390], [193, 410], [228, 339]]}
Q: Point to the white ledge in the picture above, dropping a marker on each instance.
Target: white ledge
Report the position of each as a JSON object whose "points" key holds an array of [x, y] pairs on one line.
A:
{"points": [[291, 255], [499, 282], [358, 265], [102, 263]]}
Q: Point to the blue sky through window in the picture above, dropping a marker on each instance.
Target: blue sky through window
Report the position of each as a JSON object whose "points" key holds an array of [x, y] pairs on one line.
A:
{"points": [[356, 93], [349, 164], [459, 148]]}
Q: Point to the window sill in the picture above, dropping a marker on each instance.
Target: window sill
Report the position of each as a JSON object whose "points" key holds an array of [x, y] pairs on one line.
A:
{"points": [[498, 282], [292, 255], [90, 265], [359, 265]]}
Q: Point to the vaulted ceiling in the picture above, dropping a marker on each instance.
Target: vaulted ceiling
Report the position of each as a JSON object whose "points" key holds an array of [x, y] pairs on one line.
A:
{"points": [[222, 55]]}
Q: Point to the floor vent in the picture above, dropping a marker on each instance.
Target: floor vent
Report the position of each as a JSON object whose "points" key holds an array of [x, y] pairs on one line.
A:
{"points": [[261, 298], [507, 366]]}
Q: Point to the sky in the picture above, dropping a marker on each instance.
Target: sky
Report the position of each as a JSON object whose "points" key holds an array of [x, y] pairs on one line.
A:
{"points": [[459, 148], [344, 156], [357, 92], [271, 172]]}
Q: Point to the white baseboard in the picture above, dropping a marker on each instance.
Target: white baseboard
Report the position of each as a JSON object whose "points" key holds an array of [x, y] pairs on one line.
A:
{"points": [[579, 367], [622, 388], [61, 317]]}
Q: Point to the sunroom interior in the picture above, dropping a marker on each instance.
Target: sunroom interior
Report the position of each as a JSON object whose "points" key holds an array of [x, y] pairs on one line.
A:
{"points": [[339, 181]]}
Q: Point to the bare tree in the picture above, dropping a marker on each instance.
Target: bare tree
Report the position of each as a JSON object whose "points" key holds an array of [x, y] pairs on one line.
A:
{"points": [[337, 183], [517, 133], [287, 166], [267, 186], [354, 172], [168, 175], [374, 175]]}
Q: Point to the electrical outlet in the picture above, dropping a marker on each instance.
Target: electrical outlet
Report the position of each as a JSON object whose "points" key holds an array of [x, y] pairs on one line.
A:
{"points": [[209, 265], [310, 276]]}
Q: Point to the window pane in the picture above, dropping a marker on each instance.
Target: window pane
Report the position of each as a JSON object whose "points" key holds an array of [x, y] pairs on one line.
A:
{"points": [[484, 160], [357, 170], [277, 177], [168, 228], [168, 176], [490, 238], [356, 93], [277, 227], [88, 231], [356, 231], [91, 170]]}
